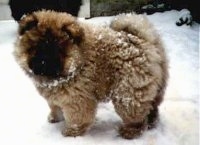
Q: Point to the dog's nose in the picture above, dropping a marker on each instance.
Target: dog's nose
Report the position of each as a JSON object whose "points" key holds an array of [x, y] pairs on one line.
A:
{"points": [[45, 67], [46, 62]]}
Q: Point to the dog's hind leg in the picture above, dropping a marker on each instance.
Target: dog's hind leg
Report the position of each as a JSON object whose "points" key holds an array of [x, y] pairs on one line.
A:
{"points": [[134, 118], [135, 107], [153, 116]]}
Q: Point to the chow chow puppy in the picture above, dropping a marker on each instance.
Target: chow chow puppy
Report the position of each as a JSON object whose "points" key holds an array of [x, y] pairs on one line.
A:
{"points": [[75, 65], [23, 7]]}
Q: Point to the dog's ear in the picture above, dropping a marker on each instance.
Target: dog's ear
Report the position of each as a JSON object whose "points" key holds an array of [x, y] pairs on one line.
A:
{"points": [[27, 23], [74, 31]]}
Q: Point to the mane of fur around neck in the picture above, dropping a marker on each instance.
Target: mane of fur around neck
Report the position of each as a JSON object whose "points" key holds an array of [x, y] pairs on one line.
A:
{"points": [[51, 83]]}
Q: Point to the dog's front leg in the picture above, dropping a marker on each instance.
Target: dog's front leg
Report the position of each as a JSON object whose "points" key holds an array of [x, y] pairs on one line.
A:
{"points": [[55, 114], [79, 114]]}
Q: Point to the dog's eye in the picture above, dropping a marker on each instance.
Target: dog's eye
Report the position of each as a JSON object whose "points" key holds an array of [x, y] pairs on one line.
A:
{"points": [[67, 33], [28, 26], [73, 32]]}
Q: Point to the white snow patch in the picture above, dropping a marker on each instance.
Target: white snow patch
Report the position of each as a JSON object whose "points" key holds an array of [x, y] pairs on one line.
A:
{"points": [[52, 83], [185, 14]]}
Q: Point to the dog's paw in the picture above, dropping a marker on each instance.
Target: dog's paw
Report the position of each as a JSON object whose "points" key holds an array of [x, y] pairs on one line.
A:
{"points": [[74, 130], [53, 118], [133, 130], [185, 18]]}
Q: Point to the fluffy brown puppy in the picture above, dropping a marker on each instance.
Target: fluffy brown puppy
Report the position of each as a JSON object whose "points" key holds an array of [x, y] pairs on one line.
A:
{"points": [[75, 65]]}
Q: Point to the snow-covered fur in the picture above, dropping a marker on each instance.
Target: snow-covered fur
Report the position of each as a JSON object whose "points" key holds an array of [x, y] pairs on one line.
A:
{"points": [[125, 62]]}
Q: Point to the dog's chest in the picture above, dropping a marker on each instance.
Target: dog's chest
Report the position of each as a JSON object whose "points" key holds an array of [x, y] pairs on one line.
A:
{"points": [[52, 94]]}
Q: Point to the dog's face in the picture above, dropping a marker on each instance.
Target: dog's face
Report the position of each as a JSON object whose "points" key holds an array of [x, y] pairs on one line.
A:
{"points": [[48, 44]]}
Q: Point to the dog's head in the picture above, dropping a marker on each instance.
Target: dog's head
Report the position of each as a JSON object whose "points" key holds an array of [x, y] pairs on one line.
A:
{"points": [[48, 44]]}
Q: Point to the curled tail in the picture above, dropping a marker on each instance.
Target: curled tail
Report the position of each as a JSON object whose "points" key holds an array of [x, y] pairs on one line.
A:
{"points": [[135, 24], [138, 25]]}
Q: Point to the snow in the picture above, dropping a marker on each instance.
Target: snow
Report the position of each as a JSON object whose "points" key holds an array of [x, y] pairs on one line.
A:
{"points": [[24, 113], [53, 83], [185, 14]]}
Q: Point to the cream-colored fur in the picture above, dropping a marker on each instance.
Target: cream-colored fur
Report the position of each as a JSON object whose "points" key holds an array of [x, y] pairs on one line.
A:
{"points": [[125, 63]]}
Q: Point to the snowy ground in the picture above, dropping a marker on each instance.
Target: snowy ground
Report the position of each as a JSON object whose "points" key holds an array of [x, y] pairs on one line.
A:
{"points": [[23, 112]]}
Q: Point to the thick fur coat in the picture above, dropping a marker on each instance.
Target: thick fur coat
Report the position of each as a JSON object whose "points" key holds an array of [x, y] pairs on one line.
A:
{"points": [[76, 65]]}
